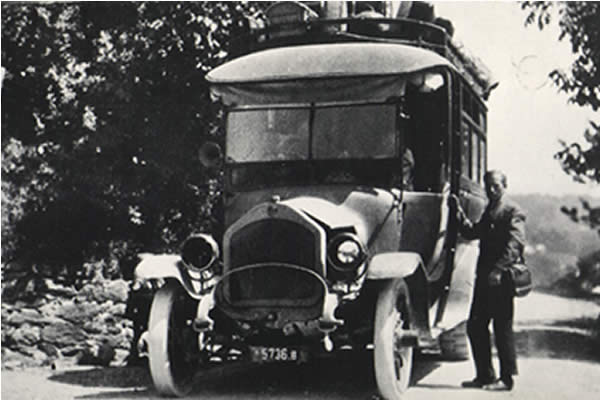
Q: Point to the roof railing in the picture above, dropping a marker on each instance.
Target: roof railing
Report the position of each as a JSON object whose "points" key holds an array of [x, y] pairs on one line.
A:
{"points": [[385, 30]]}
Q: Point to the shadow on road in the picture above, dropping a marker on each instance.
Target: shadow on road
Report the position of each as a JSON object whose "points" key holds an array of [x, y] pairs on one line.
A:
{"points": [[117, 377], [345, 376], [562, 340]]}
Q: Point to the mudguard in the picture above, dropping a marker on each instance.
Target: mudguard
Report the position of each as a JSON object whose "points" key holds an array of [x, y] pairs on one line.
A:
{"points": [[398, 264], [164, 266]]}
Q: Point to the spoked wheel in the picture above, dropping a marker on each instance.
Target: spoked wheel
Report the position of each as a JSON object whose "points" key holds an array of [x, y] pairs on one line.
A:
{"points": [[393, 362], [171, 342]]}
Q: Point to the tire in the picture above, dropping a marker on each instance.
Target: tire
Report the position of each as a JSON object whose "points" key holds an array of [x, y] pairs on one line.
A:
{"points": [[169, 342], [454, 344], [393, 363]]}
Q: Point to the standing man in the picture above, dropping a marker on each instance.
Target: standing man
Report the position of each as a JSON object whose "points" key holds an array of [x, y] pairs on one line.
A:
{"points": [[501, 231]]}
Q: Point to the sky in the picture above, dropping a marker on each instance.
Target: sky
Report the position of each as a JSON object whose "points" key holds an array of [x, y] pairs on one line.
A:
{"points": [[527, 116]]}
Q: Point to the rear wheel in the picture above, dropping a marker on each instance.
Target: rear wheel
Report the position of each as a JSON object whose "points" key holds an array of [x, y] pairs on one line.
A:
{"points": [[393, 361], [171, 344]]}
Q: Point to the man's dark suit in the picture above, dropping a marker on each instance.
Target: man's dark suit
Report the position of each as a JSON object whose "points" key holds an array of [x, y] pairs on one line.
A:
{"points": [[501, 231]]}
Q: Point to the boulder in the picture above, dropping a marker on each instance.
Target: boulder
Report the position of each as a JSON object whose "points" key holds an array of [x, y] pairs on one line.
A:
{"points": [[26, 315], [117, 310], [116, 291], [56, 289], [94, 326], [14, 360], [63, 334], [101, 354], [26, 335], [78, 313], [50, 350]]}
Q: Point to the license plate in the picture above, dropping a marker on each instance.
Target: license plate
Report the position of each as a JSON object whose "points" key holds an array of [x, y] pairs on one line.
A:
{"points": [[268, 354]]}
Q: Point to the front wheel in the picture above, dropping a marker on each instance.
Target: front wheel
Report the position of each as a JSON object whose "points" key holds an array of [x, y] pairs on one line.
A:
{"points": [[171, 341], [393, 361]]}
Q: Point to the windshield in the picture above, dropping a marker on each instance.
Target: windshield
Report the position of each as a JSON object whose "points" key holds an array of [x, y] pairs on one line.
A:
{"points": [[336, 132]]}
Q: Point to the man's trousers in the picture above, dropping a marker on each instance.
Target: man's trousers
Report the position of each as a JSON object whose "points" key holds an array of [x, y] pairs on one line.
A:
{"points": [[492, 303]]}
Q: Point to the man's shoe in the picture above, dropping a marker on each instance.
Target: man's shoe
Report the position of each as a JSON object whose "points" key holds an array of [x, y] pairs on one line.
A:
{"points": [[476, 383], [498, 386]]}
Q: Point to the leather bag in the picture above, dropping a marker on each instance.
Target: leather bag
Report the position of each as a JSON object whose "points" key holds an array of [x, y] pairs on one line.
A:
{"points": [[521, 279]]}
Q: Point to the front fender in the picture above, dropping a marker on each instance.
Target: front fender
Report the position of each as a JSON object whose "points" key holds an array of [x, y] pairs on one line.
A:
{"points": [[398, 264], [164, 266]]}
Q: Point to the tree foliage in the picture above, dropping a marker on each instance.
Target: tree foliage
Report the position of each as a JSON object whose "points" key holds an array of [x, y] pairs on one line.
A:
{"points": [[104, 108], [579, 22]]}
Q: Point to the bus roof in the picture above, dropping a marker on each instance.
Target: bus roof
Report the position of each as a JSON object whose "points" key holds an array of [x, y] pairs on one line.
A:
{"points": [[326, 61]]}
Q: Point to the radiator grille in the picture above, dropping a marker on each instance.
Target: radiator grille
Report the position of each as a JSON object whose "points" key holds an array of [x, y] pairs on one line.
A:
{"points": [[273, 240], [274, 243]]}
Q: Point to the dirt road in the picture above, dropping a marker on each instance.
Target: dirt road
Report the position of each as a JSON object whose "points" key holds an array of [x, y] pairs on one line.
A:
{"points": [[558, 360]]}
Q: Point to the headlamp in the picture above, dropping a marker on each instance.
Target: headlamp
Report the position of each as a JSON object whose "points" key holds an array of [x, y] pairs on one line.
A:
{"points": [[345, 252], [199, 252]]}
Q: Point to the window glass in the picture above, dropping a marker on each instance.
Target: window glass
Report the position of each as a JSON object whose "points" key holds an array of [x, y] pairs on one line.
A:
{"points": [[483, 121], [467, 101], [465, 142], [483, 154], [268, 135], [365, 131], [474, 156]]}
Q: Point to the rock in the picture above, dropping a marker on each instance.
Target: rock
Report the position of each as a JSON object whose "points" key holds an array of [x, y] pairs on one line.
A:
{"points": [[63, 334], [78, 313], [102, 355], [14, 360], [50, 350], [89, 292], [26, 315], [6, 312], [118, 310], [94, 326], [123, 339], [50, 309], [127, 324], [26, 335], [71, 351], [120, 358], [56, 289], [38, 356], [116, 291], [7, 332], [106, 353], [113, 330]]}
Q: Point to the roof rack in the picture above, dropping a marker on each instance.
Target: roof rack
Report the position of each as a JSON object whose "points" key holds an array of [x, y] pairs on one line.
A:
{"points": [[295, 23]]}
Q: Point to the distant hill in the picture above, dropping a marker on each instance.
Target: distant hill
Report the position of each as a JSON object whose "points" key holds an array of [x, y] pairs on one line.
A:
{"points": [[555, 243]]}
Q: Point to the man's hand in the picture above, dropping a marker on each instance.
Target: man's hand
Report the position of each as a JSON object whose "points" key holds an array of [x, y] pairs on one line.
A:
{"points": [[495, 277], [454, 205]]}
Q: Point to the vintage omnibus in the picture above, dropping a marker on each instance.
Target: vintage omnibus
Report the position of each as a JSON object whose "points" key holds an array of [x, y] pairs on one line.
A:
{"points": [[345, 132]]}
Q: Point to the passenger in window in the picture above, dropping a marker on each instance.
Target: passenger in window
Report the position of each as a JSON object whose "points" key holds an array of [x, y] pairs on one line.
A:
{"points": [[403, 177], [408, 167], [501, 231]]}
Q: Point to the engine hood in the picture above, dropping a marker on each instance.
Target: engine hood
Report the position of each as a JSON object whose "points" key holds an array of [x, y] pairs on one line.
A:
{"points": [[333, 216], [361, 210]]}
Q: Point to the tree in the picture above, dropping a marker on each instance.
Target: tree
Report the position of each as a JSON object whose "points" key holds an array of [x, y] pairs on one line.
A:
{"points": [[579, 22], [104, 108]]}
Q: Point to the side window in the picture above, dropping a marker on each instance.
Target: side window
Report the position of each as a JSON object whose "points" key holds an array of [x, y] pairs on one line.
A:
{"points": [[474, 155], [465, 150], [483, 153], [473, 140]]}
